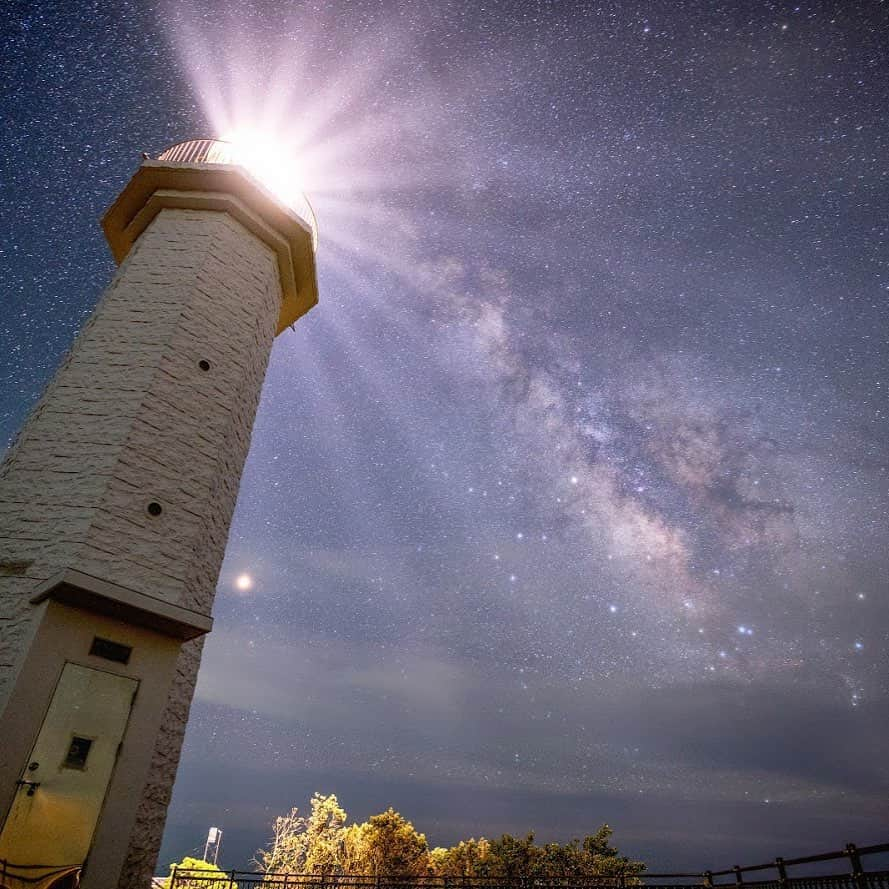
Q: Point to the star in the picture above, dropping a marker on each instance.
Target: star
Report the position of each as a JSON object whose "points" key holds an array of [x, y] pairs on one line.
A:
{"points": [[688, 225]]}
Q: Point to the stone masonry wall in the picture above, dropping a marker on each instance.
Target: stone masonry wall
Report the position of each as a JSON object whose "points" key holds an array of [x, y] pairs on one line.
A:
{"points": [[131, 418]]}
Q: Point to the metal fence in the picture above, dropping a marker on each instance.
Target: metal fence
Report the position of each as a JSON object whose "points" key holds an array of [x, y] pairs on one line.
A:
{"points": [[204, 879], [771, 875]]}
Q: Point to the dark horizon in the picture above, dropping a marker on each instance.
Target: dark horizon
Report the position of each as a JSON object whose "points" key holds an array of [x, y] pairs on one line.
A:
{"points": [[567, 504], [633, 837]]}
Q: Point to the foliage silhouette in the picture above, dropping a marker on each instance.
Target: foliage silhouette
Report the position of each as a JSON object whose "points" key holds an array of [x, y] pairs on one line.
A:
{"points": [[387, 844]]}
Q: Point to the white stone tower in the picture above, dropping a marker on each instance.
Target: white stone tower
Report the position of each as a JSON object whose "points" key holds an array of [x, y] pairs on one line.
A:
{"points": [[115, 503]]}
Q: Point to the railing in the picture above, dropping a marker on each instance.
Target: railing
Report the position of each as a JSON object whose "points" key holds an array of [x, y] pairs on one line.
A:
{"points": [[204, 879], [855, 877], [14, 875]]}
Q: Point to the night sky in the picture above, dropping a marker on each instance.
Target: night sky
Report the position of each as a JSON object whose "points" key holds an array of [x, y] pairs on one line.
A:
{"points": [[568, 503]]}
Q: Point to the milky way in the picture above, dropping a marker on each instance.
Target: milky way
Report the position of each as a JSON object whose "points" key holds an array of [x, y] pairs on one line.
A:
{"points": [[568, 502]]}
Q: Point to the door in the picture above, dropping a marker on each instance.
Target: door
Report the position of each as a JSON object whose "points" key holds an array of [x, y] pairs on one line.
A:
{"points": [[62, 787]]}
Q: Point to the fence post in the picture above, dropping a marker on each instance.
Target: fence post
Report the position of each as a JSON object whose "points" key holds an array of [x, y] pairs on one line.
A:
{"points": [[231, 881], [857, 869], [172, 875], [739, 878], [708, 879], [782, 872]]}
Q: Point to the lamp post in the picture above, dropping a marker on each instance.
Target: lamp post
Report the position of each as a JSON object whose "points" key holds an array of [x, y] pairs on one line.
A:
{"points": [[214, 841], [115, 504]]}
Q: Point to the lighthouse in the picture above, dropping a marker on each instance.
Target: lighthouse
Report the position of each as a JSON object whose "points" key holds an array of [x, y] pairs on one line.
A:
{"points": [[115, 505]]}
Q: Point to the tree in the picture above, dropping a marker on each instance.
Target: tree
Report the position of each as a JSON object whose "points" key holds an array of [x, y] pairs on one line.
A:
{"points": [[385, 845], [557, 861], [469, 858], [603, 859], [324, 836], [510, 858], [312, 845], [202, 880], [287, 850], [388, 845]]}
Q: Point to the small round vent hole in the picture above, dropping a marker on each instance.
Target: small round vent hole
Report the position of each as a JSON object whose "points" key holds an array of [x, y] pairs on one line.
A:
{"points": [[203, 364], [155, 508]]}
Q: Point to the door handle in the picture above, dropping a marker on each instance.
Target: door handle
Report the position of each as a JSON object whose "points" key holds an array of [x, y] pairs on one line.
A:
{"points": [[31, 785]]}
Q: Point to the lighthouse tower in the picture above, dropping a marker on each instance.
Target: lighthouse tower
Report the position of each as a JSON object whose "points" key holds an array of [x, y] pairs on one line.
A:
{"points": [[115, 504]]}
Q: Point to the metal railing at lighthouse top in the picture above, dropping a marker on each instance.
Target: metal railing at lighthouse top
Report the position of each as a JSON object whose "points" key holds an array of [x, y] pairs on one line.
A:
{"points": [[200, 151]]}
